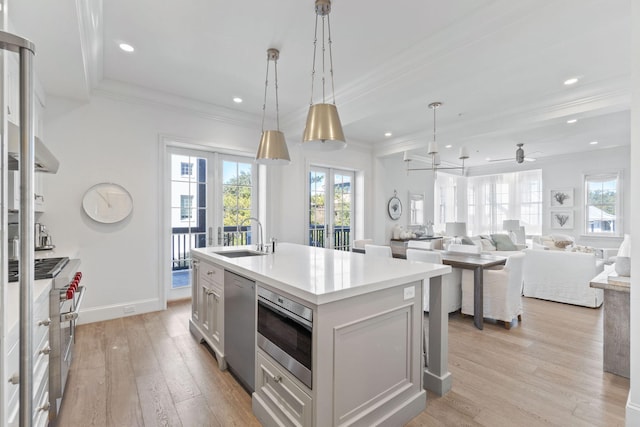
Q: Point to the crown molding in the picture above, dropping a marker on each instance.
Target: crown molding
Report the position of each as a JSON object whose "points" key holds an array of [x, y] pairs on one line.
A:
{"points": [[134, 94]]}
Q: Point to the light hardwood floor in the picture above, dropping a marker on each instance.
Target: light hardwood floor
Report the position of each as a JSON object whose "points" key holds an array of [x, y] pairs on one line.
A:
{"points": [[147, 370]]}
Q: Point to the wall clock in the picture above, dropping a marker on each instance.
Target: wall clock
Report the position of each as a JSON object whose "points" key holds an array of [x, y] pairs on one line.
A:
{"points": [[107, 203], [394, 207]]}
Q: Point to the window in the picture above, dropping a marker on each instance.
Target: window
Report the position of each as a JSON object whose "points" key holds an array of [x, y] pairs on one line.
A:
{"points": [[493, 198], [603, 204], [186, 205], [445, 200], [186, 169]]}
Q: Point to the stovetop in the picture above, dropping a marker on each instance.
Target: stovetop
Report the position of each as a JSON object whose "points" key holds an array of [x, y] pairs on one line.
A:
{"points": [[44, 268]]}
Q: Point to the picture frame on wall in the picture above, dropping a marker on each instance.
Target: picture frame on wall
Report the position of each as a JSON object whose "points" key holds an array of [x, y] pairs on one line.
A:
{"points": [[562, 198], [562, 219]]}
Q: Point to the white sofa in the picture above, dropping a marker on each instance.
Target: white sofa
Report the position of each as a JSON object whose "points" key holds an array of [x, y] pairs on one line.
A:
{"points": [[562, 276]]}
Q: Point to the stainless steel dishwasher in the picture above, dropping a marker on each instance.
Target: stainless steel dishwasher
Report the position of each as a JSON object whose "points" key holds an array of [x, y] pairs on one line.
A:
{"points": [[240, 327]]}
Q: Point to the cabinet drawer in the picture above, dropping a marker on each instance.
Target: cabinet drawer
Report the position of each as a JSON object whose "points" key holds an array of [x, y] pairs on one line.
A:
{"points": [[281, 393], [211, 273]]}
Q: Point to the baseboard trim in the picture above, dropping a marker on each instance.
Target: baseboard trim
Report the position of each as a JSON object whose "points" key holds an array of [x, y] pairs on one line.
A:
{"points": [[632, 417], [108, 312]]}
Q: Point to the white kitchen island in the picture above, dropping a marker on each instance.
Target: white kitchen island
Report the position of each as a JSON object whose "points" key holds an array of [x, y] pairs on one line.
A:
{"points": [[367, 348]]}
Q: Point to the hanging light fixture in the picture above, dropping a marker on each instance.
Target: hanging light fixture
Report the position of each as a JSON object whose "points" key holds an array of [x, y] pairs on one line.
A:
{"points": [[273, 148], [433, 151], [323, 130]]}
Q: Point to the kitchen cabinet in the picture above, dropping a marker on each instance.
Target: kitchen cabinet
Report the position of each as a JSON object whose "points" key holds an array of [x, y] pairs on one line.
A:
{"points": [[283, 393], [13, 193], [207, 307], [41, 349]]}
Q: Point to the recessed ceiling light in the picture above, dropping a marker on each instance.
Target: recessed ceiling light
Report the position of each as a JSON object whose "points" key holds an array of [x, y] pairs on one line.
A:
{"points": [[572, 121], [388, 134], [593, 142], [126, 47], [448, 146], [237, 100], [488, 159], [572, 80]]}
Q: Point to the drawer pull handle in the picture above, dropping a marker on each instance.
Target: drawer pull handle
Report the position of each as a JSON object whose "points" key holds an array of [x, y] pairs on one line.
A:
{"points": [[15, 379], [210, 272], [45, 407], [46, 322], [276, 378], [45, 350]]}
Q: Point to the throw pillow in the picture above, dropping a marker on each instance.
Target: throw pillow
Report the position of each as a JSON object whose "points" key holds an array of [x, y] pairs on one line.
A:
{"points": [[503, 242], [466, 240], [487, 245], [563, 243]]}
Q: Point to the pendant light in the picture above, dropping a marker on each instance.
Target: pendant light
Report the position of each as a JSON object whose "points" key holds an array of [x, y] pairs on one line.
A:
{"points": [[323, 130], [273, 148], [433, 151]]}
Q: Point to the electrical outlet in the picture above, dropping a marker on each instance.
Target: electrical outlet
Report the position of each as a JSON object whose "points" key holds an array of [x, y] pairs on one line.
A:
{"points": [[129, 309], [409, 292]]}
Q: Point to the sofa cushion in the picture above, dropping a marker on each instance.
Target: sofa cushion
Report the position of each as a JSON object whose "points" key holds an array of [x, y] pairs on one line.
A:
{"points": [[487, 245], [503, 242], [466, 240]]}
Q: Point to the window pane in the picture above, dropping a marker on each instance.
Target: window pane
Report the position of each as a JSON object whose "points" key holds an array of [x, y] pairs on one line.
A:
{"points": [[602, 203]]}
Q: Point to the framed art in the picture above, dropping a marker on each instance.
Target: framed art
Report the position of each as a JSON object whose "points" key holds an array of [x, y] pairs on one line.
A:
{"points": [[562, 198], [562, 219]]}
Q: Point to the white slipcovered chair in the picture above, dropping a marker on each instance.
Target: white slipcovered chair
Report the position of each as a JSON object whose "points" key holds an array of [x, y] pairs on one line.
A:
{"points": [[419, 244], [502, 291], [378, 250], [359, 244], [452, 292]]}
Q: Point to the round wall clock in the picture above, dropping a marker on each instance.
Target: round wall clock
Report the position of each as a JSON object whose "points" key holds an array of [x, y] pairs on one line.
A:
{"points": [[394, 207], [107, 203]]}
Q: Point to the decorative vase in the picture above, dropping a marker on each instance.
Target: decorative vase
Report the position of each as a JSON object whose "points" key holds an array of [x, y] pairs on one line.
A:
{"points": [[429, 230], [623, 266]]}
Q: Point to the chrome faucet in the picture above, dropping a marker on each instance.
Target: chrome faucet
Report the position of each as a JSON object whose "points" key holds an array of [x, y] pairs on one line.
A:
{"points": [[259, 246]]}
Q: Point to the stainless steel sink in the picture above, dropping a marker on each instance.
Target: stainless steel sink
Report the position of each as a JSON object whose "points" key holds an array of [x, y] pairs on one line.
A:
{"points": [[239, 253]]}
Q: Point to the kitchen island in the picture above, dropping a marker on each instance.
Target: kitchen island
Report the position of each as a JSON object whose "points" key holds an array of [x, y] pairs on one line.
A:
{"points": [[366, 362]]}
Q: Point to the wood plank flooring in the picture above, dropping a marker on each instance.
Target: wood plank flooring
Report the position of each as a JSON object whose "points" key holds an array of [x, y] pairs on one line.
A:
{"points": [[147, 370]]}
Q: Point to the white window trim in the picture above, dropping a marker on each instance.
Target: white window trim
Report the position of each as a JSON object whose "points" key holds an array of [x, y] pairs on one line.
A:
{"points": [[619, 204]]}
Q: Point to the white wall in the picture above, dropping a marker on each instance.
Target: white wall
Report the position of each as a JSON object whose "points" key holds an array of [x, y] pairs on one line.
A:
{"points": [[633, 403], [119, 141], [391, 175]]}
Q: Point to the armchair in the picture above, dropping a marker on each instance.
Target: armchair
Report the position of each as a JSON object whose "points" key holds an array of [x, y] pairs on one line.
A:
{"points": [[502, 291], [450, 282], [378, 250]]}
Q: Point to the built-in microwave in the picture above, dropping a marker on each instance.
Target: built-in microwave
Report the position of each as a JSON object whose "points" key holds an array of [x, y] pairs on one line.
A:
{"points": [[285, 330]]}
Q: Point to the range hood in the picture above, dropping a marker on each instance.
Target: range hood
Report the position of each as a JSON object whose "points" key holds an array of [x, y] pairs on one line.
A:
{"points": [[45, 161]]}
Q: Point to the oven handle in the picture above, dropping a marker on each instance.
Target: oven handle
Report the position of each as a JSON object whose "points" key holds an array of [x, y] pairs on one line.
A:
{"points": [[285, 313], [73, 315]]}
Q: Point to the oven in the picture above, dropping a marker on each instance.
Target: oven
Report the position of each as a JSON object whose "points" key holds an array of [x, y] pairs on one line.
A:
{"points": [[285, 330], [65, 302]]}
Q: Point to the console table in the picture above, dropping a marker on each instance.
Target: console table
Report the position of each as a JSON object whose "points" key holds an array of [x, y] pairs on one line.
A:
{"points": [[399, 246], [616, 328]]}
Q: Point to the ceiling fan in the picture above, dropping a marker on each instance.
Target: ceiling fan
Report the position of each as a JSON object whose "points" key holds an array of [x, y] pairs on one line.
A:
{"points": [[520, 157]]}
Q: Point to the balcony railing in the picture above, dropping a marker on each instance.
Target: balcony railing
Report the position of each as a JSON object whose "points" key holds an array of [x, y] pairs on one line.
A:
{"points": [[341, 237], [181, 244]]}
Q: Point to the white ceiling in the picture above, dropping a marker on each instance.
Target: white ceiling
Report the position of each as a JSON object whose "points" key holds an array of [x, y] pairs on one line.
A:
{"points": [[498, 66]]}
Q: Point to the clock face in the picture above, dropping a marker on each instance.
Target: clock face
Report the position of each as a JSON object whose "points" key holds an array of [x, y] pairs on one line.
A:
{"points": [[107, 203]]}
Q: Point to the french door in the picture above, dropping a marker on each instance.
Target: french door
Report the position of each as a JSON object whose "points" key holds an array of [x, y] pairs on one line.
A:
{"points": [[212, 197], [330, 208]]}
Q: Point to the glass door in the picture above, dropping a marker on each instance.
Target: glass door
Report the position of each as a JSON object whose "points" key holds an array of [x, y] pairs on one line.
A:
{"points": [[212, 197], [330, 208], [191, 213]]}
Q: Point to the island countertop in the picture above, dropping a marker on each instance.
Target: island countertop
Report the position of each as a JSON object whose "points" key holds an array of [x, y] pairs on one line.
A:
{"points": [[319, 275]]}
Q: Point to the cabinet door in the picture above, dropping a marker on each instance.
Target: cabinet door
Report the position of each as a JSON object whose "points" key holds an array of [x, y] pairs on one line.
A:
{"points": [[13, 91], [212, 297], [196, 291]]}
